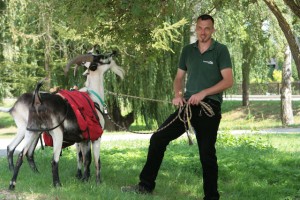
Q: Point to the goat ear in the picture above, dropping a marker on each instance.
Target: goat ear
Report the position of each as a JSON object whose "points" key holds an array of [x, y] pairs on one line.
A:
{"points": [[117, 69], [114, 53]]}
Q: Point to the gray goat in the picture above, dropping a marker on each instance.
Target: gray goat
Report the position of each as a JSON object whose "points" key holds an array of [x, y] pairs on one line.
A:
{"points": [[51, 112]]}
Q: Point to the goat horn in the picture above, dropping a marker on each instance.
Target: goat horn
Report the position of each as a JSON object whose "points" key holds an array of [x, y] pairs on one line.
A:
{"points": [[78, 60]]}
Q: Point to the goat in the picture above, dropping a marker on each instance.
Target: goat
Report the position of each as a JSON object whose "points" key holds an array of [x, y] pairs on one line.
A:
{"points": [[21, 122], [45, 111]]}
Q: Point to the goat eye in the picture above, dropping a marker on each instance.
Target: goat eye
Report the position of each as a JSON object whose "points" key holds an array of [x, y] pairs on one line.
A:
{"points": [[93, 66]]}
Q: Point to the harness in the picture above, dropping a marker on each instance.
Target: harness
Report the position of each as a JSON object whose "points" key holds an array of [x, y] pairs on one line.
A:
{"points": [[101, 101]]}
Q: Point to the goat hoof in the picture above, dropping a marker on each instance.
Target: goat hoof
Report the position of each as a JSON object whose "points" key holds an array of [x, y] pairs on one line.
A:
{"points": [[79, 175], [57, 185], [11, 168], [11, 187], [85, 179], [34, 169], [98, 180]]}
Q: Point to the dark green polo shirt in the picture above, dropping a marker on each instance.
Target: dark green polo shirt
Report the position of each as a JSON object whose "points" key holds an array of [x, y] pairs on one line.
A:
{"points": [[204, 70]]}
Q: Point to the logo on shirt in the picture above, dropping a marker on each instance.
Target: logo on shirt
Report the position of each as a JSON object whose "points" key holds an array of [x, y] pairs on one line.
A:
{"points": [[208, 62]]}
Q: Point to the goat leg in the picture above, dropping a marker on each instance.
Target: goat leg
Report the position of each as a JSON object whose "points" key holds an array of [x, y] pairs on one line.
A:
{"points": [[87, 163], [19, 163], [30, 156], [10, 158], [56, 181], [97, 161], [98, 174], [57, 149], [11, 148], [31, 162], [79, 162]]}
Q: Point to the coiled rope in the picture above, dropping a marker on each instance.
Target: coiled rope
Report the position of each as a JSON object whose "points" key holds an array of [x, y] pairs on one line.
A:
{"points": [[186, 117]]}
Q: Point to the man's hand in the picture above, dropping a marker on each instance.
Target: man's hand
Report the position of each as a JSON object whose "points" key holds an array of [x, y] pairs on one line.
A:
{"points": [[178, 101], [196, 98]]}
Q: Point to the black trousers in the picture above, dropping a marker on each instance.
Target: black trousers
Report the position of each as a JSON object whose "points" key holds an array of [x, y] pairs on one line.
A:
{"points": [[206, 129]]}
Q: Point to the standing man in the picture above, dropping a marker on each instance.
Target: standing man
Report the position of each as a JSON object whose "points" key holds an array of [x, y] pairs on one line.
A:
{"points": [[207, 65]]}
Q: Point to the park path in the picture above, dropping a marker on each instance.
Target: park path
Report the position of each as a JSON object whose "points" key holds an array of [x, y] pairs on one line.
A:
{"points": [[134, 136], [105, 137]]}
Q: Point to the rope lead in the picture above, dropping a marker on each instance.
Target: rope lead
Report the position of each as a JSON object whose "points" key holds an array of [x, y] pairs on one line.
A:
{"points": [[186, 119]]}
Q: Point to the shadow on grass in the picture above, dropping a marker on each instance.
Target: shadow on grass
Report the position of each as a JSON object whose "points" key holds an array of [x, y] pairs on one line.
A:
{"points": [[248, 169]]}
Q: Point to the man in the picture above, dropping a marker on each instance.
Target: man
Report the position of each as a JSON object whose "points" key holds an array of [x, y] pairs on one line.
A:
{"points": [[207, 65]]}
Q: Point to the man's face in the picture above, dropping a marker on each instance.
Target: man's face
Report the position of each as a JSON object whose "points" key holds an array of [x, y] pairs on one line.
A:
{"points": [[204, 30]]}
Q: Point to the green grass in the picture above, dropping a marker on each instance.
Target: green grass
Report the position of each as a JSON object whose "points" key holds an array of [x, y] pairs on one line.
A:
{"points": [[251, 167], [6, 120], [259, 115]]}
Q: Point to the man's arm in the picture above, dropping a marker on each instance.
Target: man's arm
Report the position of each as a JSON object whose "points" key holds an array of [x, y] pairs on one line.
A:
{"points": [[224, 84], [178, 88]]}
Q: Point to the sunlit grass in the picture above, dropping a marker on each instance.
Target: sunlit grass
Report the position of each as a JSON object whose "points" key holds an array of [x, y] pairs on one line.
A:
{"points": [[259, 115], [251, 167]]}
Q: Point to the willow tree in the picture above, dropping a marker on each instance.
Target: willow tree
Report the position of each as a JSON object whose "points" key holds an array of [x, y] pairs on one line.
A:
{"points": [[28, 47], [148, 49], [2, 36]]}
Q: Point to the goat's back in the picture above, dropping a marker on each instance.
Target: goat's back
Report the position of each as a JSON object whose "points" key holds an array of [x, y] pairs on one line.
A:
{"points": [[53, 112]]}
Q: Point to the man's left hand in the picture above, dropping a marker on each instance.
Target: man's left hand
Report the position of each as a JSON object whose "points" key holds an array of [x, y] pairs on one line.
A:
{"points": [[196, 98]]}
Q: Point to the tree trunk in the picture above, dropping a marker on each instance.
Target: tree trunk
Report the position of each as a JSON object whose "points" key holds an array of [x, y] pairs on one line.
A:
{"points": [[287, 117], [286, 29], [245, 85], [247, 57], [294, 6]]}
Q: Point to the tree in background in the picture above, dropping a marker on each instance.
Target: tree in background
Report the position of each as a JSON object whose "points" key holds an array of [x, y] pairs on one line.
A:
{"points": [[39, 37], [286, 28], [287, 116]]}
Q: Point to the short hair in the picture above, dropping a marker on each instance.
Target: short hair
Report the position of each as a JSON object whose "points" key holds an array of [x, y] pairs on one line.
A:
{"points": [[206, 17]]}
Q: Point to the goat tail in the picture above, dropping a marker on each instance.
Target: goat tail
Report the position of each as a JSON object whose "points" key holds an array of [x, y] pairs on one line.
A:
{"points": [[36, 100], [6, 110]]}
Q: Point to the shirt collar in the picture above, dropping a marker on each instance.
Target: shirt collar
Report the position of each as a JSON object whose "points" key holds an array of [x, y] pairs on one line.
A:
{"points": [[212, 45]]}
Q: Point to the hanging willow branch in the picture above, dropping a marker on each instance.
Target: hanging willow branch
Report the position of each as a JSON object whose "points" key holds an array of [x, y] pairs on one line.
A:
{"points": [[168, 33]]}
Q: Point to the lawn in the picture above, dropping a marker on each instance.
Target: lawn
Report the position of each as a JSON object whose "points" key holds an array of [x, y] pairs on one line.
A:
{"points": [[251, 166]]}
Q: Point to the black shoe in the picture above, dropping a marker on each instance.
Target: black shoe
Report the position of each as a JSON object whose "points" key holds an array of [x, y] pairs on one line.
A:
{"points": [[138, 189]]}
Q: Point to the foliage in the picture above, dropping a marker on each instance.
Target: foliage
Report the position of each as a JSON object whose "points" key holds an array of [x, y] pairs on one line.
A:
{"points": [[39, 37], [168, 33], [277, 76]]}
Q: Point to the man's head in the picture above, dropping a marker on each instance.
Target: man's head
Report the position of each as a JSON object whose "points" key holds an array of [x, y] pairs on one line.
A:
{"points": [[204, 28]]}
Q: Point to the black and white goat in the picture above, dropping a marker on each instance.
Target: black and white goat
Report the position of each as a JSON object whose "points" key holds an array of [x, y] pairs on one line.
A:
{"points": [[50, 111]]}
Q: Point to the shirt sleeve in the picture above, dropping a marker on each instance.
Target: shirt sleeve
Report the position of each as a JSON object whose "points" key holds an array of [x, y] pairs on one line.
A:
{"points": [[224, 60], [182, 60]]}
